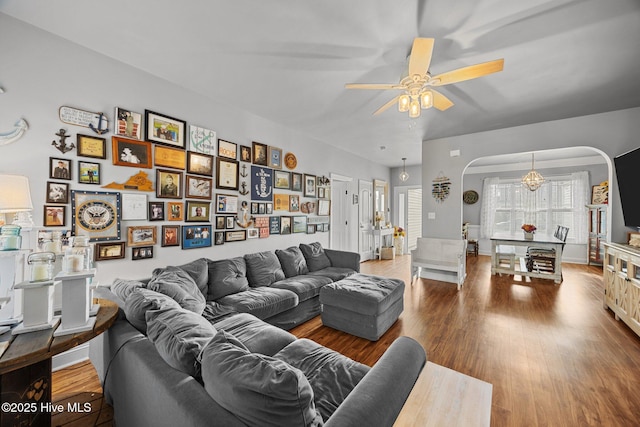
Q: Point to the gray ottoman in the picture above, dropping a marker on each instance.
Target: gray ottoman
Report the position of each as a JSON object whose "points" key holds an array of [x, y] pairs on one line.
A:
{"points": [[362, 305]]}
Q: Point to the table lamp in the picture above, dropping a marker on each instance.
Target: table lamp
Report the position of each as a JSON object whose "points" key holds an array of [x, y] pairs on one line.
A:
{"points": [[15, 197]]}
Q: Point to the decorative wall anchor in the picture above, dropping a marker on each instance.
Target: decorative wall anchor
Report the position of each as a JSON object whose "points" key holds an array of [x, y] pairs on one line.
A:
{"points": [[21, 127], [243, 188], [97, 122], [246, 220], [243, 171], [441, 187], [99, 129], [62, 144]]}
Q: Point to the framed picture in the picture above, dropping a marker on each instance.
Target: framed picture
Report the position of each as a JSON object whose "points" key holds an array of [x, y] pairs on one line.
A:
{"points": [[260, 153], [311, 229], [198, 187], [253, 233], [324, 207], [321, 192], [254, 208], [230, 222], [59, 168], [197, 211], [245, 153], [109, 251], [88, 172], [226, 204], [169, 157], [97, 214], [228, 150], [142, 235], [285, 225], [129, 152], [227, 174], [91, 146], [175, 211], [281, 202], [300, 224], [294, 203], [296, 181], [57, 192], [268, 208], [309, 185], [599, 194], [199, 164], [261, 183], [134, 206], [54, 216], [170, 235], [196, 236], [128, 124], [144, 252], [235, 236], [219, 238], [165, 130], [221, 222], [274, 225], [275, 158], [202, 140], [168, 184], [156, 211], [282, 180]]}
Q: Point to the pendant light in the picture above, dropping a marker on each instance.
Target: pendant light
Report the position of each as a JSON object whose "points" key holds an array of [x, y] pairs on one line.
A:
{"points": [[533, 180], [404, 175]]}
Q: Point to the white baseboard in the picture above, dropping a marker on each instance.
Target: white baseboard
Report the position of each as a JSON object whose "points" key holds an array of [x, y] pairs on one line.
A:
{"points": [[70, 357]]}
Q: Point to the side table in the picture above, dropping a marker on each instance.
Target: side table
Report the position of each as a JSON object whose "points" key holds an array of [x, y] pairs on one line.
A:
{"points": [[25, 369]]}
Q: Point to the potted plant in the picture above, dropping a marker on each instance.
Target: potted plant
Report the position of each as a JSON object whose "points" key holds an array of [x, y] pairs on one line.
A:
{"points": [[529, 230]]}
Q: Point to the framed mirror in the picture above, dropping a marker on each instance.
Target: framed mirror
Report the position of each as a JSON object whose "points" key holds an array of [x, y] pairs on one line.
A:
{"points": [[381, 200]]}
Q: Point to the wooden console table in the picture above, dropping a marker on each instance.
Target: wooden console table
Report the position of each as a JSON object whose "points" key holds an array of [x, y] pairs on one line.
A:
{"points": [[25, 369]]}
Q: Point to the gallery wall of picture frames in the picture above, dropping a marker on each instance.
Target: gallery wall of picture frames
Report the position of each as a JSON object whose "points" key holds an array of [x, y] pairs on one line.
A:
{"points": [[201, 189]]}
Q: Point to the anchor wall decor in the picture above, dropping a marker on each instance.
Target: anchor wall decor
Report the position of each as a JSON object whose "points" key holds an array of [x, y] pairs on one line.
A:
{"points": [[62, 144], [21, 127]]}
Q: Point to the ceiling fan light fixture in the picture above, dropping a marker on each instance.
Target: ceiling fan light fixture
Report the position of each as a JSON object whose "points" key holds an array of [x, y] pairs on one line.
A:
{"points": [[426, 99], [404, 175], [414, 109], [532, 180], [403, 103]]}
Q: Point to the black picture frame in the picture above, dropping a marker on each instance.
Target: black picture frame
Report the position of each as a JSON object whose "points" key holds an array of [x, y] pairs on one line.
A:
{"points": [[165, 130], [227, 174], [259, 153], [170, 235], [89, 173], [141, 252], [91, 146], [156, 211], [59, 168], [199, 163], [57, 192]]}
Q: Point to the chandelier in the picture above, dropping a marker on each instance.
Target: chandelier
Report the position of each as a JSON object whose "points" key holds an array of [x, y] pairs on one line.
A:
{"points": [[404, 175], [532, 180]]}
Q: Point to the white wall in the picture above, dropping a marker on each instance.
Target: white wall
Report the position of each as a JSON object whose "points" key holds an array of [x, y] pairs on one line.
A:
{"points": [[41, 72]]}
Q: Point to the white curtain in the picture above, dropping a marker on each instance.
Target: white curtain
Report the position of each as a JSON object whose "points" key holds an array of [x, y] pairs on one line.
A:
{"points": [[582, 197], [489, 204]]}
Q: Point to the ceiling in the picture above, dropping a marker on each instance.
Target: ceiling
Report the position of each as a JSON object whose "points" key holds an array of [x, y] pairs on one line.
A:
{"points": [[288, 61]]}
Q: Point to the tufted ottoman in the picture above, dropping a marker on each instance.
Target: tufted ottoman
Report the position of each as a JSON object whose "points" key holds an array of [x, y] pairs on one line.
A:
{"points": [[362, 305]]}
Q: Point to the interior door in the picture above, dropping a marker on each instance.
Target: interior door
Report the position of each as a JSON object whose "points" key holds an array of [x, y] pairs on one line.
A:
{"points": [[365, 219], [341, 236]]}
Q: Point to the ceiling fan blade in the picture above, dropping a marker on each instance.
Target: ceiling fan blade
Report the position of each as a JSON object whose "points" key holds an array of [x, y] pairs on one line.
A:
{"points": [[420, 58], [386, 106], [376, 86], [468, 73], [440, 101]]}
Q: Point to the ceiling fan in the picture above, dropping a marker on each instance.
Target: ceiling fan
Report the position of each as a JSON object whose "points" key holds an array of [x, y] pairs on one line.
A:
{"points": [[417, 86]]}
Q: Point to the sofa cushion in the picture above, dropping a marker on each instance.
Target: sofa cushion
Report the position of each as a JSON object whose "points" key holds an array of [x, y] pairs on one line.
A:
{"points": [[262, 302], [123, 287], [263, 268], [227, 276], [292, 261], [258, 389], [177, 284], [198, 270], [179, 335], [315, 256], [140, 301], [332, 375], [306, 286], [334, 273], [255, 334]]}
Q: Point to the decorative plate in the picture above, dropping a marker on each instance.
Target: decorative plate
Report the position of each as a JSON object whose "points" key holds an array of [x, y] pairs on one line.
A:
{"points": [[470, 197], [290, 160]]}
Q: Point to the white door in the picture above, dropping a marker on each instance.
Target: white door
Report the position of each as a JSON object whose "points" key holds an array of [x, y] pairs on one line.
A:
{"points": [[341, 227], [365, 219], [414, 217]]}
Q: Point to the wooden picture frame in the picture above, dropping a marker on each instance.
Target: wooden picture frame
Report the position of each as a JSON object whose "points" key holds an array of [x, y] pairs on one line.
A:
{"points": [[134, 206], [170, 235], [245, 154], [221, 222], [227, 174], [142, 252], [88, 173], [198, 211], [285, 224], [227, 149], [96, 214], [294, 203], [282, 180], [198, 187], [156, 211], [91, 146], [168, 184], [59, 168], [259, 154], [175, 211], [226, 204], [599, 194], [309, 185], [141, 235], [109, 251], [300, 224], [54, 216], [235, 236], [296, 181], [130, 152], [199, 164], [169, 157], [128, 124], [275, 157], [57, 192], [165, 130], [196, 236]]}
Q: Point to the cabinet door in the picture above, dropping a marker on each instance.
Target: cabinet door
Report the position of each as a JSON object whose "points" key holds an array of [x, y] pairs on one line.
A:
{"points": [[622, 285], [609, 286], [633, 294]]}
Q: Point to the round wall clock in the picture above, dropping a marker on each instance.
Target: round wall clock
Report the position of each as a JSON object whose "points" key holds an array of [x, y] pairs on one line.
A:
{"points": [[96, 215], [290, 160], [470, 197]]}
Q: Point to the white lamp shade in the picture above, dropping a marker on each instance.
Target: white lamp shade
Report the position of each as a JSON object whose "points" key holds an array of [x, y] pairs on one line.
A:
{"points": [[15, 195]]}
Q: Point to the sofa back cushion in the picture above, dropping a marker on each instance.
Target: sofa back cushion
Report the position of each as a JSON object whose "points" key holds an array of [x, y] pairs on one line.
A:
{"points": [[122, 288], [142, 300], [179, 335], [292, 261], [258, 389], [315, 256], [177, 284], [198, 270], [263, 268], [226, 277]]}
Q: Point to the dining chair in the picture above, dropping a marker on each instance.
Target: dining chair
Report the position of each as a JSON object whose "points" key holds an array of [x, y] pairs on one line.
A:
{"points": [[544, 259], [472, 244]]}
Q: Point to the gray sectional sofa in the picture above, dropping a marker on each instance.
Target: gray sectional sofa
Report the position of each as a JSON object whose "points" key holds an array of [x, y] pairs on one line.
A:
{"points": [[206, 343]]}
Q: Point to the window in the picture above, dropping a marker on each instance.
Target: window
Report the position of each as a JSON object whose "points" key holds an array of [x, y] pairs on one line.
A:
{"points": [[561, 200]]}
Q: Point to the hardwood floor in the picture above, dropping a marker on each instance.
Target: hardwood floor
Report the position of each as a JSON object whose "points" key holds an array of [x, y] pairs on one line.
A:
{"points": [[555, 357]]}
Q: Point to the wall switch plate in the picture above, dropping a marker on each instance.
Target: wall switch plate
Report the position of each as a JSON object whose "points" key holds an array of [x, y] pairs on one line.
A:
{"points": [[431, 215]]}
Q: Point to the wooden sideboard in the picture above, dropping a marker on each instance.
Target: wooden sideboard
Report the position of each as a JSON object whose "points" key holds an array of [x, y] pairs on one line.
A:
{"points": [[622, 283]]}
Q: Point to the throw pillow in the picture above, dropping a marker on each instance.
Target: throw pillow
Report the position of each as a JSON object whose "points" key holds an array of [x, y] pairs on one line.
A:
{"points": [[315, 256], [179, 335], [263, 268], [177, 284], [142, 300], [123, 287], [258, 389], [226, 277], [198, 270], [292, 261]]}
